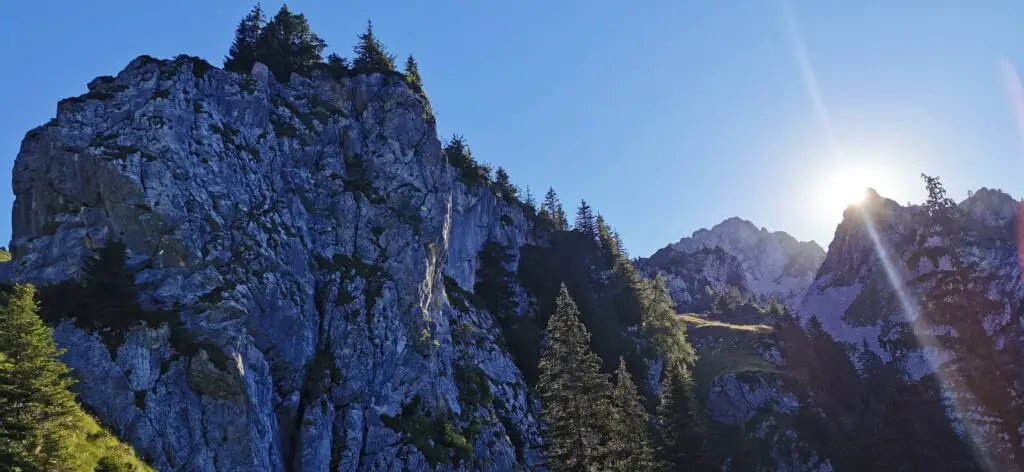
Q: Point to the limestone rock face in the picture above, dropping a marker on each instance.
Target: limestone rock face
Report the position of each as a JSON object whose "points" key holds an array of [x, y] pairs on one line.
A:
{"points": [[735, 253], [303, 234]]}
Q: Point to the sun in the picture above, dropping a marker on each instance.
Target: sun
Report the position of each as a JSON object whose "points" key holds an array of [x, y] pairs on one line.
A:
{"points": [[847, 187]]}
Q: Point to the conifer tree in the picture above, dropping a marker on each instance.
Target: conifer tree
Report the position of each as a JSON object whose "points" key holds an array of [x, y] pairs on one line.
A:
{"points": [[412, 74], [287, 44], [609, 246], [36, 407], [337, 66], [528, 199], [458, 152], [552, 210], [505, 186], [574, 393], [242, 54], [868, 362], [110, 298], [661, 325], [371, 56], [618, 244], [681, 441], [585, 220], [629, 446]]}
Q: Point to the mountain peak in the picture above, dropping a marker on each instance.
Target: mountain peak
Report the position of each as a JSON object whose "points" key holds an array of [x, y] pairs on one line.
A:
{"points": [[773, 263]]}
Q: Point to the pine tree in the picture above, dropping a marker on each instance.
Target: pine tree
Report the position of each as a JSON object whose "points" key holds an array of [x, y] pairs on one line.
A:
{"points": [[412, 74], [242, 54], [868, 362], [337, 66], [458, 152], [681, 442], [629, 446], [618, 244], [371, 56], [530, 202], [506, 189], [110, 298], [571, 372], [287, 44], [552, 210], [609, 246], [661, 325], [36, 408], [585, 220]]}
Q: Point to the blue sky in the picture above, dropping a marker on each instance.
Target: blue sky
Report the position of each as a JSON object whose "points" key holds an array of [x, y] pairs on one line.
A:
{"points": [[666, 116]]}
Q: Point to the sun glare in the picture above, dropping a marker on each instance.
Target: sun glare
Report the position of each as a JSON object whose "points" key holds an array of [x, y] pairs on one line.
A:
{"points": [[847, 186]]}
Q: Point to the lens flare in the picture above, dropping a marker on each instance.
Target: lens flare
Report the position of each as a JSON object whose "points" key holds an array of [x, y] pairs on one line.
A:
{"points": [[894, 273]]}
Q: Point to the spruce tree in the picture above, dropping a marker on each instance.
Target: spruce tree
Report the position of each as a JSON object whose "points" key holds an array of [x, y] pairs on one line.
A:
{"points": [[287, 44], [618, 244], [681, 444], [37, 410], [530, 202], [242, 54], [661, 325], [608, 243], [585, 220], [337, 66], [552, 210], [504, 185], [574, 393], [629, 446], [371, 56], [458, 152], [412, 74], [110, 298]]}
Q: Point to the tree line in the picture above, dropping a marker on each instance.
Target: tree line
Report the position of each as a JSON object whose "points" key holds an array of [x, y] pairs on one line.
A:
{"points": [[286, 44], [594, 421]]}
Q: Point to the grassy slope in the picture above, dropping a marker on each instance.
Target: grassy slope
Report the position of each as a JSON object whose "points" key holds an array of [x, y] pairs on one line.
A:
{"points": [[734, 351], [92, 442]]}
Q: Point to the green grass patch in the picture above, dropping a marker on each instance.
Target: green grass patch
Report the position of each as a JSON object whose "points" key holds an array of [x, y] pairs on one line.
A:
{"points": [[94, 445], [696, 322]]}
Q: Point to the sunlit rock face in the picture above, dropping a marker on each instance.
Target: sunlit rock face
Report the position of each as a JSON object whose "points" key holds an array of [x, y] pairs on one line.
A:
{"points": [[303, 234], [735, 253]]}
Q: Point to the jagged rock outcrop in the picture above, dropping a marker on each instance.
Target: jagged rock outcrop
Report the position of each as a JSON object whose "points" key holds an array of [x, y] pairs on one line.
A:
{"points": [[303, 234], [853, 295], [870, 288], [755, 261], [693, 277]]}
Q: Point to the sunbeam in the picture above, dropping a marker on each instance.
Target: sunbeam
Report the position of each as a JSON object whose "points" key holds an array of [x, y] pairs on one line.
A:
{"points": [[920, 326]]}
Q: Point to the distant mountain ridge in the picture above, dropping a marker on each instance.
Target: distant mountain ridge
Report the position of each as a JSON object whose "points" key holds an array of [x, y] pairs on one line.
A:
{"points": [[736, 253]]}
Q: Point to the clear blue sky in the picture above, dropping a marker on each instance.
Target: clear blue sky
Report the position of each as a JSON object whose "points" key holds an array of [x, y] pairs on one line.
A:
{"points": [[667, 116]]}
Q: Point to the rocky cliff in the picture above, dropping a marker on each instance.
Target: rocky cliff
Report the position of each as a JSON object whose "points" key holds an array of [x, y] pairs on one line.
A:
{"points": [[933, 300], [735, 253], [312, 243], [853, 295]]}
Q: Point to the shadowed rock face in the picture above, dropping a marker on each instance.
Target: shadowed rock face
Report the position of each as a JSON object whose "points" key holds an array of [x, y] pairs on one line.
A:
{"points": [[853, 295], [857, 299], [301, 233]]}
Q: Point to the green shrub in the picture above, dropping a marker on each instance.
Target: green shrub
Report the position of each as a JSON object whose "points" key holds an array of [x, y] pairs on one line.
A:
{"points": [[436, 438]]}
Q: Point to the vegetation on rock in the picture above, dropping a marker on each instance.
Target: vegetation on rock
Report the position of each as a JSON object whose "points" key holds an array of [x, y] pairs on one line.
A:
{"points": [[41, 426]]}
